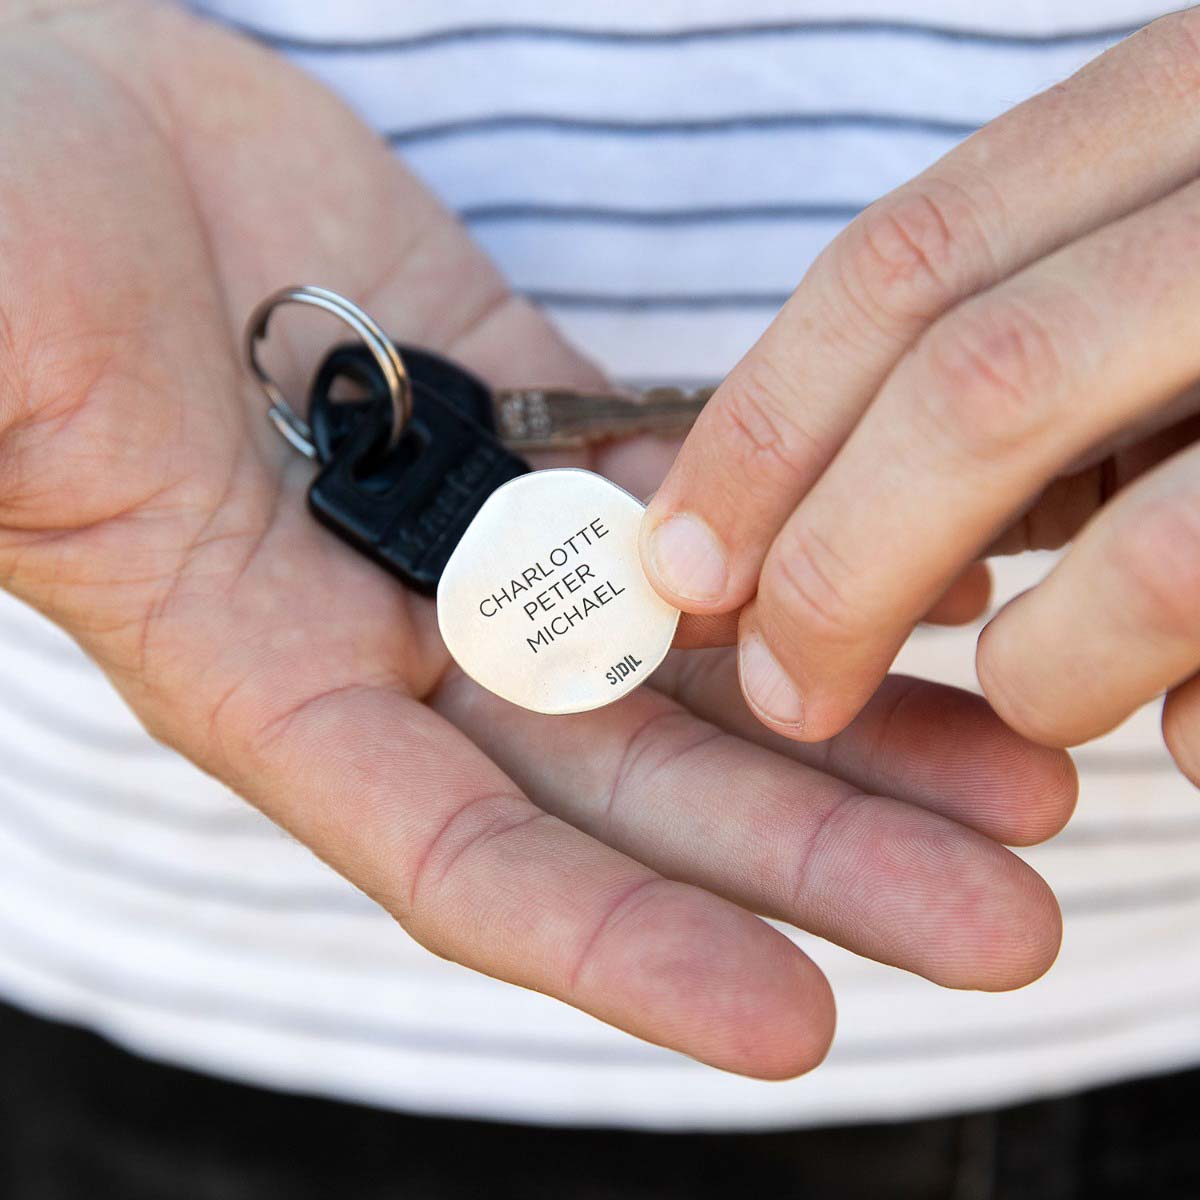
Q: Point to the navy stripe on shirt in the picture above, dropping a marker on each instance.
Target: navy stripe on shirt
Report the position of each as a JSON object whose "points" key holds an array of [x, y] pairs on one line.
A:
{"points": [[678, 126], [929, 31]]}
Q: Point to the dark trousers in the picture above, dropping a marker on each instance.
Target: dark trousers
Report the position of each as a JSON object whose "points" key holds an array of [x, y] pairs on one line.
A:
{"points": [[83, 1120]]}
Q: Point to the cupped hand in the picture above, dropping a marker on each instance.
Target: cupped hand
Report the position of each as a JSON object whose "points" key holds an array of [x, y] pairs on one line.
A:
{"points": [[1000, 355], [158, 176]]}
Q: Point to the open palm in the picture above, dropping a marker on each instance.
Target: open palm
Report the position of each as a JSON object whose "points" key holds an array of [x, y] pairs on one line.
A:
{"points": [[157, 178]]}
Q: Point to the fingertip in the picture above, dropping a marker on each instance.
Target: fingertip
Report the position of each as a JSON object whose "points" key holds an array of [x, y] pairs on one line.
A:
{"points": [[769, 690], [932, 897], [1022, 708], [1010, 928], [685, 561], [793, 1030], [1026, 792], [1044, 782], [804, 1027], [1028, 945], [824, 721], [707, 978], [775, 698], [1181, 727], [960, 757]]}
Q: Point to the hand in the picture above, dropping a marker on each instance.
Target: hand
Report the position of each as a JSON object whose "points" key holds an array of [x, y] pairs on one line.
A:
{"points": [[157, 178], [984, 361]]}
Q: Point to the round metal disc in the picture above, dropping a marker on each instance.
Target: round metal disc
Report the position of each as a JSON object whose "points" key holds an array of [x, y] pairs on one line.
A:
{"points": [[544, 601]]}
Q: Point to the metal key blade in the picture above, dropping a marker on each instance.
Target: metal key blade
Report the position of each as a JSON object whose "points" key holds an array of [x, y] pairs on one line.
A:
{"points": [[561, 418]]}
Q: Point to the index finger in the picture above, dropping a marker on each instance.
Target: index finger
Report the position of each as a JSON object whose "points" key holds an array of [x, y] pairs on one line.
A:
{"points": [[1021, 187]]}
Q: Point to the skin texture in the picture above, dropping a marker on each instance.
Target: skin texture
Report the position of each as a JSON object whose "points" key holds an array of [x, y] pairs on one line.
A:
{"points": [[1000, 355], [159, 176]]}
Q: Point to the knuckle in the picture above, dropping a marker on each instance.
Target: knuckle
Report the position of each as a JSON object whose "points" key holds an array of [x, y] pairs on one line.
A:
{"points": [[910, 255], [1167, 51], [760, 429], [1155, 553], [656, 743], [995, 375], [642, 892], [811, 584], [475, 822], [806, 882]]}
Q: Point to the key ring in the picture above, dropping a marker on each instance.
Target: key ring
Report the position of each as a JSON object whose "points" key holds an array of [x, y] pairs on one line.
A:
{"points": [[294, 429]]}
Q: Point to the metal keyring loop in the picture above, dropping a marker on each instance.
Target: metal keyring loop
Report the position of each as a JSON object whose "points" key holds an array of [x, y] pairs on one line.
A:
{"points": [[283, 416]]}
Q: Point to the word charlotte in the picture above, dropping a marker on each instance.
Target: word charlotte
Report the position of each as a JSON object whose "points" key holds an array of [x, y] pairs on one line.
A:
{"points": [[576, 593]]}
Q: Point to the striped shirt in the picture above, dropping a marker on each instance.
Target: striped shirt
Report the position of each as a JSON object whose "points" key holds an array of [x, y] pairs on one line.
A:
{"points": [[658, 175]]}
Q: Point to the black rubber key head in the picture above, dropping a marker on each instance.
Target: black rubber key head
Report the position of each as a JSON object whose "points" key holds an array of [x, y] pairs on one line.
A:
{"points": [[332, 421], [408, 508]]}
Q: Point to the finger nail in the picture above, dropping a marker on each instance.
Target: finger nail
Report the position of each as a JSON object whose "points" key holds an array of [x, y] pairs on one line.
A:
{"points": [[767, 687], [688, 559]]}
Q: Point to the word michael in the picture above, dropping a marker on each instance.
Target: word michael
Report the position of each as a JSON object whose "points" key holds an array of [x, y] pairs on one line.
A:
{"points": [[572, 597]]}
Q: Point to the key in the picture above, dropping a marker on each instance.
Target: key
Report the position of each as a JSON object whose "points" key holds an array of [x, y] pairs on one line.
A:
{"points": [[541, 597], [406, 508], [526, 419], [559, 418]]}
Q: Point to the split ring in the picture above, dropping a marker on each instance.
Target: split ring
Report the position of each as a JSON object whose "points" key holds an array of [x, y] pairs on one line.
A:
{"points": [[294, 429]]}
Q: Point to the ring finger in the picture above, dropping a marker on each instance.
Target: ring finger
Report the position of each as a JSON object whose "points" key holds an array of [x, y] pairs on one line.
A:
{"points": [[1115, 623]]}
